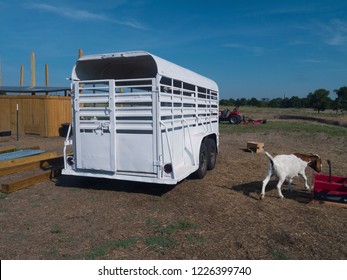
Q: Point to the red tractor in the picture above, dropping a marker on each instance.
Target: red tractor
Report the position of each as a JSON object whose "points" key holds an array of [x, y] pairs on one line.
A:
{"points": [[233, 117]]}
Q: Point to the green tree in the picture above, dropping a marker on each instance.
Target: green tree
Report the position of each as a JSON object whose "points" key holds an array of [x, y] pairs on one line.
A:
{"points": [[275, 103], [319, 100], [253, 102], [241, 102], [341, 99], [285, 103], [224, 102], [295, 102]]}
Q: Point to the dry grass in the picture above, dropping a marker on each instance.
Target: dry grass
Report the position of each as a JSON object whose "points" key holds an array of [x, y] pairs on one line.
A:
{"points": [[219, 217]]}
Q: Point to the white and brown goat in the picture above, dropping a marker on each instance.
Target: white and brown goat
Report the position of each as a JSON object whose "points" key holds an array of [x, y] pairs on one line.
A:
{"points": [[286, 167]]}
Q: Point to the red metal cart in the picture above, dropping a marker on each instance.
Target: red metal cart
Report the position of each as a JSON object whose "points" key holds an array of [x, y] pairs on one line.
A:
{"points": [[330, 188]]}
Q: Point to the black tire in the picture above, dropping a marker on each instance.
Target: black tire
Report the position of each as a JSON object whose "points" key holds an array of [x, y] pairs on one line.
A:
{"points": [[235, 119], [203, 160], [211, 153]]}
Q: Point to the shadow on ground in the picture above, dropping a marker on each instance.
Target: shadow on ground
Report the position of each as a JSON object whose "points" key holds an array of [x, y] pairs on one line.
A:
{"points": [[112, 185], [253, 189]]}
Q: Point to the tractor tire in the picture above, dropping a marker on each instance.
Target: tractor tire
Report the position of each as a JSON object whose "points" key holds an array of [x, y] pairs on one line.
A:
{"points": [[235, 119], [203, 160], [211, 153]]}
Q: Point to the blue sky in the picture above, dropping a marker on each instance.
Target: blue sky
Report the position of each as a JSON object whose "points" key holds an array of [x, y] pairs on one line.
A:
{"points": [[262, 49]]}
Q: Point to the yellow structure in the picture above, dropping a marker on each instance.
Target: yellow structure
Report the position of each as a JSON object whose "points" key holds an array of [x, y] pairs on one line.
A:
{"points": [[42, 115]]}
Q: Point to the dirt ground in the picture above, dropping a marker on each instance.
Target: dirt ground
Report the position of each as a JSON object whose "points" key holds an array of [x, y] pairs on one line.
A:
{"points": [[218, 217]]}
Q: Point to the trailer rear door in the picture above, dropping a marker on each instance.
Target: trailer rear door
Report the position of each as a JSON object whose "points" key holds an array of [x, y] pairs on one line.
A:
{"points": [[114, 126], [94, 128]]}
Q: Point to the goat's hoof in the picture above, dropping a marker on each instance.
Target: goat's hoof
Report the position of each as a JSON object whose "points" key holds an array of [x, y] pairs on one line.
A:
{"points": [[281, 197], [261, 197]]}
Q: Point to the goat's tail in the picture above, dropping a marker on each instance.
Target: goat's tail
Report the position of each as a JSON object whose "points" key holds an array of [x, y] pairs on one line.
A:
{"points": [[270, 158]]}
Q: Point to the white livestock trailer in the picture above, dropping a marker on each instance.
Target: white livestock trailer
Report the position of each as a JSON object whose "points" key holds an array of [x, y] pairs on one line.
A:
{"points": [[138, 117]]}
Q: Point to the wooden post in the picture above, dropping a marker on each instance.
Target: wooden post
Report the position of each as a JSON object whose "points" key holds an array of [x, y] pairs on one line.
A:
{"points": [[46, 74], [21, 76], [80, 54], [17, 120], [33, 74], [0, 74]]}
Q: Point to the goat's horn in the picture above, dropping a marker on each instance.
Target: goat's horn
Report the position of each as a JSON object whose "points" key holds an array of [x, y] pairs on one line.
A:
{"points": [[314, 155]]}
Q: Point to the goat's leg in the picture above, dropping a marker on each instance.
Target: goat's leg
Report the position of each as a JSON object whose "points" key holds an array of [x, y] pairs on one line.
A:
{"points": [[290, 186], [279, 184], [266, 180], [305, 179]]}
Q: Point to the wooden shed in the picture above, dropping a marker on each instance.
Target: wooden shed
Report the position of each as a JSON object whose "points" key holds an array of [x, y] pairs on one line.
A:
{"points": [[37, 114]]}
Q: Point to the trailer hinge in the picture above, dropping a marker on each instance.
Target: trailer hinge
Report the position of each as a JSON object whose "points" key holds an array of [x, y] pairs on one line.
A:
{"points": [[157, 163]]}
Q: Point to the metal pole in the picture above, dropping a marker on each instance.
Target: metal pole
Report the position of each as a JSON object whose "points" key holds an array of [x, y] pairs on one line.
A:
{"points": [[329, 164]]}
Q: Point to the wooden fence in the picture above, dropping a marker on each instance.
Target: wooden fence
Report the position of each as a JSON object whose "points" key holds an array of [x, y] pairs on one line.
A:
{"points": [[42, 115]]}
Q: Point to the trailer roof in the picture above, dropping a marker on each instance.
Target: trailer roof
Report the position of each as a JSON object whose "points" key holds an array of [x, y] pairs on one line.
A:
{"points": [[134, 65]]}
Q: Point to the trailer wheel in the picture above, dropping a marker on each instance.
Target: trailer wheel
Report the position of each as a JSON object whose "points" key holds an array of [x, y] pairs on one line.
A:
{"points": [[235, 119], [203, 160], [211, 153]]}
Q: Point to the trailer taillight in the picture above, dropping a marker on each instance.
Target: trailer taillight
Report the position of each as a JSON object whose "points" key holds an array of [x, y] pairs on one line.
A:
{"points": [[69, 161], [168, 168]]}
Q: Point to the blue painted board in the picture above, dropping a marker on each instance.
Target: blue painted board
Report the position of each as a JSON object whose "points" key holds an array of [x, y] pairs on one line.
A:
{"points": [[20, 154]]}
